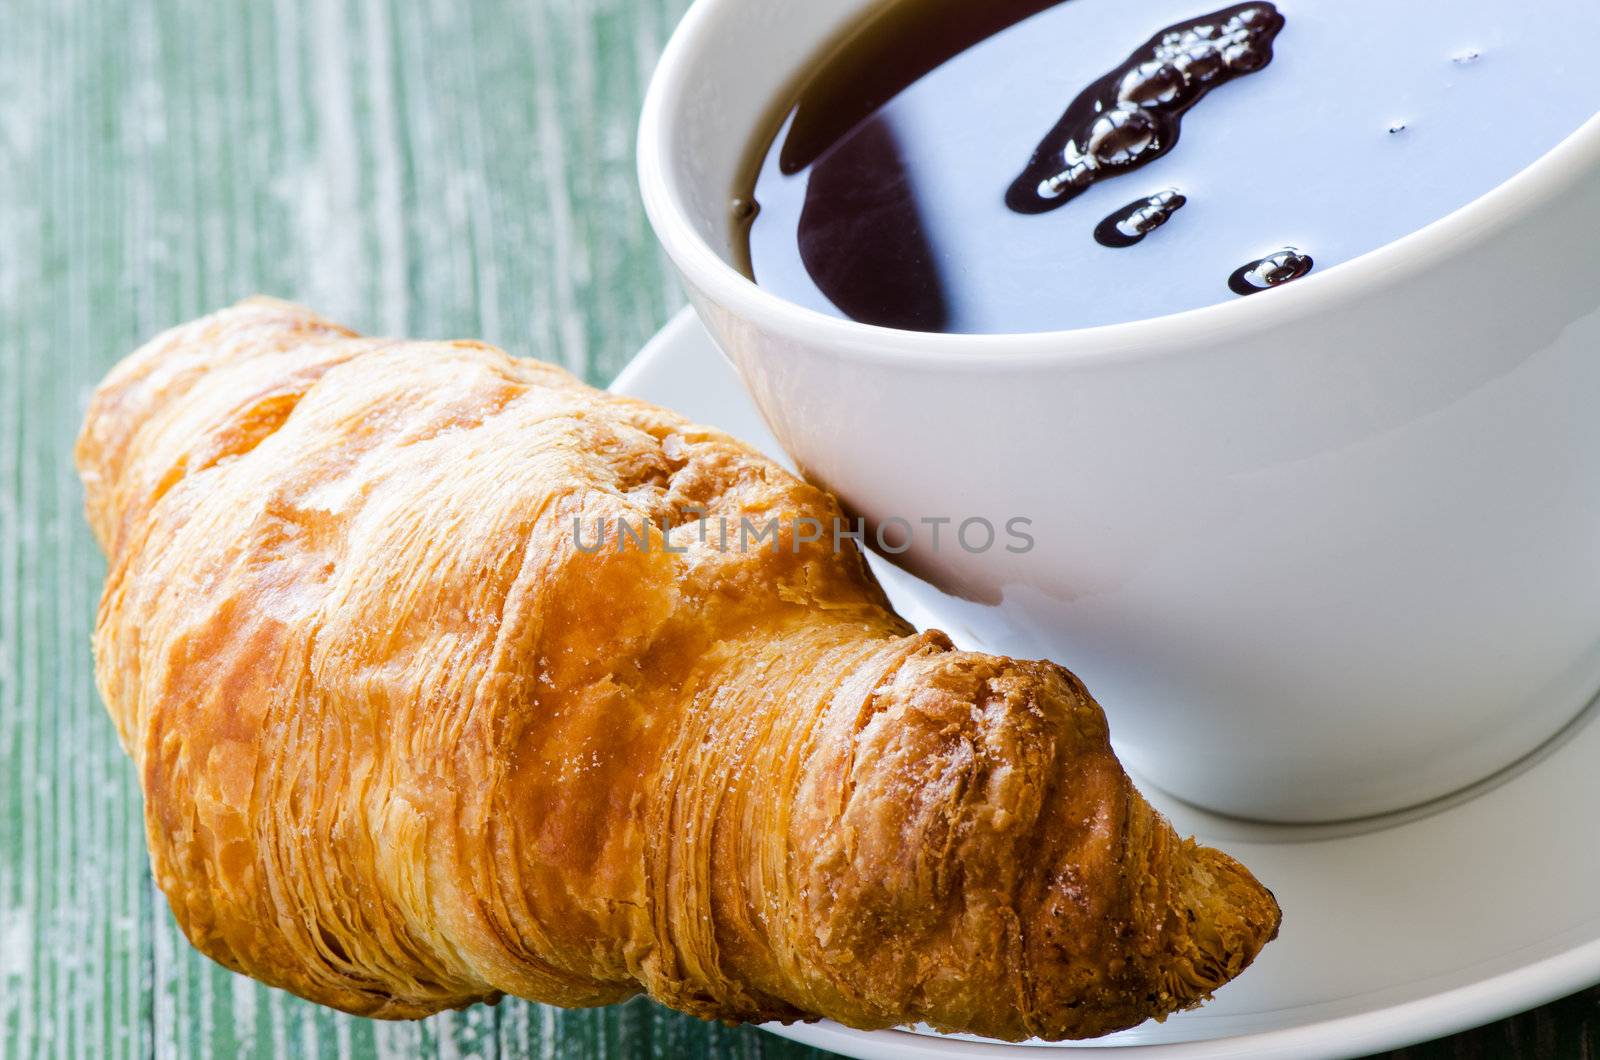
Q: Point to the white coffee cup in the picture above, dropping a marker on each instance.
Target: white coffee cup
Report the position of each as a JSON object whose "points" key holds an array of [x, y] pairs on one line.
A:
{"points": [[1322, 553]]}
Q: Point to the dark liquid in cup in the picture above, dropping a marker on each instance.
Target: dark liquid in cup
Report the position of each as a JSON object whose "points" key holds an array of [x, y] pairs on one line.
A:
{"points": [[1022, 165]]}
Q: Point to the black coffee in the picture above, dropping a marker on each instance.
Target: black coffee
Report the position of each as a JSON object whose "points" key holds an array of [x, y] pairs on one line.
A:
{"points": [[1131, 116], [1021, 165]]}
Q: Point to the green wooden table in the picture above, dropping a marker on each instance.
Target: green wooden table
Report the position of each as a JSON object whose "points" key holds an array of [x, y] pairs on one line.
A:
{"points": [[443, 169]]}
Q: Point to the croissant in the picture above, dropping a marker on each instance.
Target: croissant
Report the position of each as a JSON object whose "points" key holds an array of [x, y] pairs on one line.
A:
{"points": [[440, 690]]}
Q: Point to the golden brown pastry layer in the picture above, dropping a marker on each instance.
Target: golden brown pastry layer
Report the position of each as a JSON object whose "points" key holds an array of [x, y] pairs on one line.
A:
{"points": [[405, 745]]}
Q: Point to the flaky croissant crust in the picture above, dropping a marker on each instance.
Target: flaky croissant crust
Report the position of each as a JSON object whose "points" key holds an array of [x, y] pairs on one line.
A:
{"points": [[404, 746]]}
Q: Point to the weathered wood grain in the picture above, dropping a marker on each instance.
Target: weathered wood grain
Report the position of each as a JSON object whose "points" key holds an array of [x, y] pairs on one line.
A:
{"points": [[440, 169]]}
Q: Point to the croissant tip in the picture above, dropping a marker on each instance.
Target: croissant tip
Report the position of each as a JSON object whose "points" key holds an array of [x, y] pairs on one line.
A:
{"points": [[1226, 918]]}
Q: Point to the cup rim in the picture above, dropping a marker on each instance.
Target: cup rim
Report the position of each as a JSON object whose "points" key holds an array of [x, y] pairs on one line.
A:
{"points": [[1478, 220]]}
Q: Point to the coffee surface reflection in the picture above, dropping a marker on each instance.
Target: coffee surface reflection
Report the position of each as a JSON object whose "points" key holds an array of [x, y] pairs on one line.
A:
{"points": [[1033, 165]]}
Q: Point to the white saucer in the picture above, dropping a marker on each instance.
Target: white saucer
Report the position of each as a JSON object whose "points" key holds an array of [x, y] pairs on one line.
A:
{"points": [[1396, 930]]}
